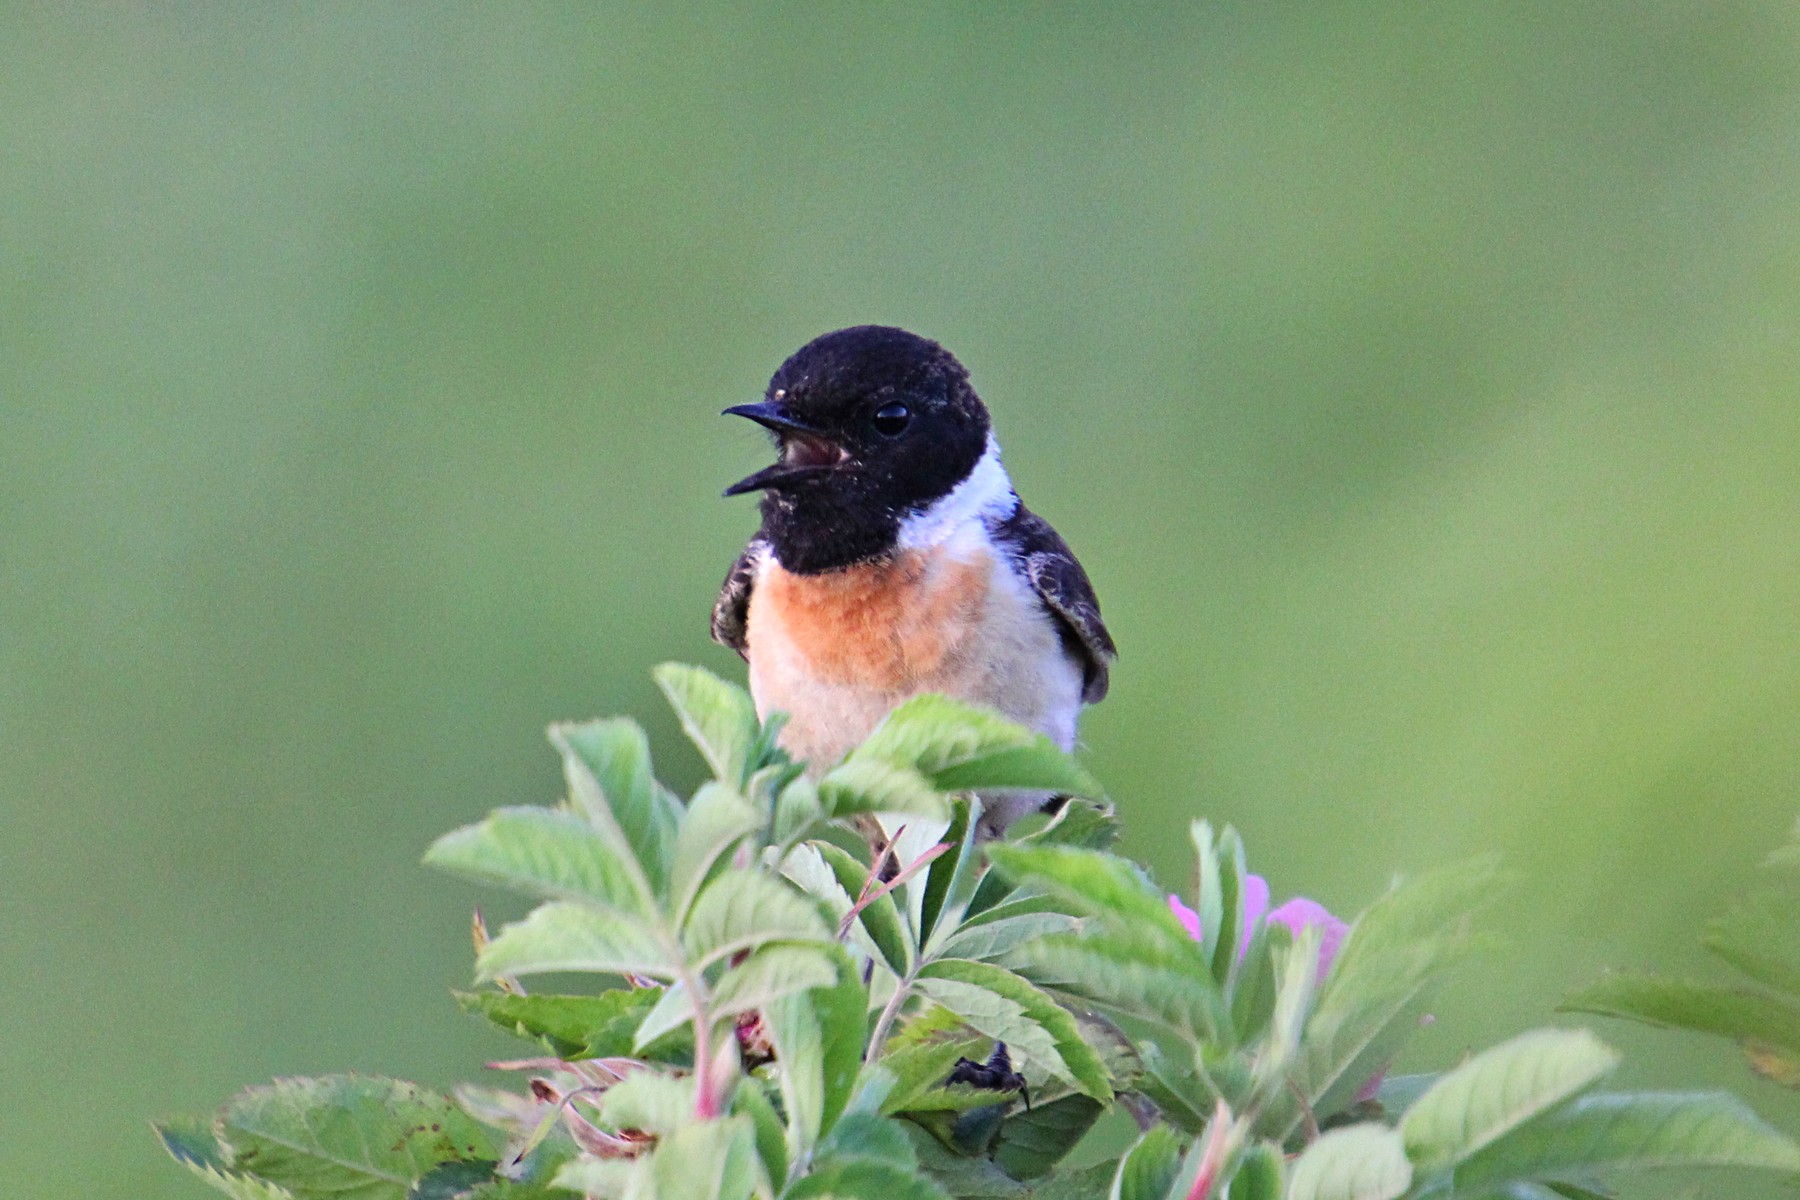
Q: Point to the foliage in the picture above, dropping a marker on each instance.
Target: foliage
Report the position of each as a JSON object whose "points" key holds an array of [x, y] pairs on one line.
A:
{"points": [[790, 971], [1759, 936]]}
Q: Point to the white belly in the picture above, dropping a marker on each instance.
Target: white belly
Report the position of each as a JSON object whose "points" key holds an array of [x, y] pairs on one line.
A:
{"points": [[838, 652]]}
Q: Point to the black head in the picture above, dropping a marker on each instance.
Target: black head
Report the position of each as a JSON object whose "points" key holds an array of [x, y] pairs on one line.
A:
{"points": [[872, 423]]}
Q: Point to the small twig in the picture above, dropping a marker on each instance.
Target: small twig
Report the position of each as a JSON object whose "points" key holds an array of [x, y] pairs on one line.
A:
{"points": [[1308, 1118]]}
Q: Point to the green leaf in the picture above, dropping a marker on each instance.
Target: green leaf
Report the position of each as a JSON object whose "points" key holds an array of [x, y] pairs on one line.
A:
{"points": [[1009, 1009], [569, 936], [1377, 988], [1133, 980], [1760, 936], [972, 1178], [1148, 1169], [1033, 1141], [1259, 1174], [1623, 1132], [717, 819], [864, 1179], [718, 717], [190, 1141], [1099, 884], [1705, 1008], [1359, 1162], [1499, 1090], [543, 852], [797, 809], [703, 1160], [872, 786], [346, 1136], [921, 1056], [740, 910], [963, 748], [770, 974], [1293, 1001], [616, 758], [570, 1026], [868, 1135], [752, 1101], [656, 1103], [990, 940], [673, 1009], [880, 918], [1209, 903]]}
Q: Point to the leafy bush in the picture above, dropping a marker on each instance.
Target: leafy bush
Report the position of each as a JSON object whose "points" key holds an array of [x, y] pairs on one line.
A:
{"points": [[781, 1011]]}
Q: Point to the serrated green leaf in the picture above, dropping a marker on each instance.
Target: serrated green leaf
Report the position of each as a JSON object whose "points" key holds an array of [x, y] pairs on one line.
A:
{"points": [[616, 756], [349, 1136], [1008, 1008], [718, 717], [1131, 980], [869, 785], [1625, 1132], [769, 974], [717, 819], [1094, 883], [1042, 766], [962, 748], [1034, 1140], [571, 1026], [543, 852], [921, 1056], [1704, 1008], [569, 936], [190, 1141], [993, 940], [1360, 1162], [741, 910], [238, 1186], [1499, 1090], [1760, 936]]}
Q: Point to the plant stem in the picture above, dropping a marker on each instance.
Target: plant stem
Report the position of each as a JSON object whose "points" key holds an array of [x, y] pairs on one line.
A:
{"points": [[902, 988]]}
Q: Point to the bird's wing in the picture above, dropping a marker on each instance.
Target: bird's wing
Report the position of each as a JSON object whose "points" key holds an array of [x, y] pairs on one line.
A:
{"points": [[730, 614], [1063, 586]]}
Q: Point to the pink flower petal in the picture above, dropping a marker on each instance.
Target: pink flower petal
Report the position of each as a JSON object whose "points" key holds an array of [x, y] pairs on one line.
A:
{"points": [[1190, 920], [1300, 913]]}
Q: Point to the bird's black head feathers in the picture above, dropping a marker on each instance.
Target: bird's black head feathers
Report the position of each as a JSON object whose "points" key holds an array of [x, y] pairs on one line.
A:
{"points": [[873, 423]]}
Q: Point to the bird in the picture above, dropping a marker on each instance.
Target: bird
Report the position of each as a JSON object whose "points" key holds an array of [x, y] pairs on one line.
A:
{"points": [[895, 559]]}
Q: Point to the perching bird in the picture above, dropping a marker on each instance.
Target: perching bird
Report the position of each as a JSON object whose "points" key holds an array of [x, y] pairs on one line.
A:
{"points": [[895, 559]]}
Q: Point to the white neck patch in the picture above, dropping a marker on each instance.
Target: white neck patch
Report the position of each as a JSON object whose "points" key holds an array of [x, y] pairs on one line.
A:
{"points": [[987, 494]]}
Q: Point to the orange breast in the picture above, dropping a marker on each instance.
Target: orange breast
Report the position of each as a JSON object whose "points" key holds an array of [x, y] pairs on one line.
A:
{"points": [[894, 625]]}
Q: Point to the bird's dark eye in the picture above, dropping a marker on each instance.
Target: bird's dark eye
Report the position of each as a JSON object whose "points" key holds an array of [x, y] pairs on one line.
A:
{"points": [[891, 420]]}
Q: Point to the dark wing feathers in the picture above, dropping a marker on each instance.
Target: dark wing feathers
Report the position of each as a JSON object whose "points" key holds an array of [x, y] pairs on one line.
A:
{"points": [[731, 610], [1063, 586]]}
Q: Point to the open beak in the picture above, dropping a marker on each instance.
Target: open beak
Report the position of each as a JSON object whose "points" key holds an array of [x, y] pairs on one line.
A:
{"points": [[805, 451]]}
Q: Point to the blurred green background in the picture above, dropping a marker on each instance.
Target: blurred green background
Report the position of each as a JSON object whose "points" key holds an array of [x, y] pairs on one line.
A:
{"points": [[1417, 381]]}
